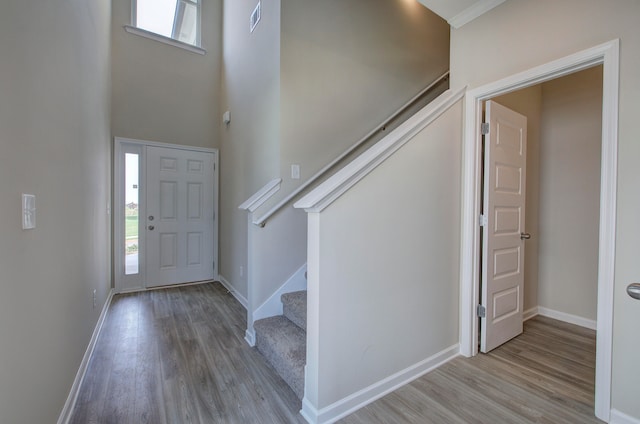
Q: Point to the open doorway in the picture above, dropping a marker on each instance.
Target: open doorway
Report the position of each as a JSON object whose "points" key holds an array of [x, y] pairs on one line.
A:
{"points": [[545, 224], [608, 55]]}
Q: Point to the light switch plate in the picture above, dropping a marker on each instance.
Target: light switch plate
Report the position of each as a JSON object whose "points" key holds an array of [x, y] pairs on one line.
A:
{"points": [[28, 211]]}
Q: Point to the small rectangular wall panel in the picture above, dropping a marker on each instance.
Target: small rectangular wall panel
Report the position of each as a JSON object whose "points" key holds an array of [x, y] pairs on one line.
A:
{"points": [[168, 250], [168, 200], [194, 201], [508, 179], [506, 262], [194, 249], [506, 220], [506, 303]]}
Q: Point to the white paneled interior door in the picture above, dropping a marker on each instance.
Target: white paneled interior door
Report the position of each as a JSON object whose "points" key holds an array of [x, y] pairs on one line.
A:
{"points": [[504, 211], [179, 221]]}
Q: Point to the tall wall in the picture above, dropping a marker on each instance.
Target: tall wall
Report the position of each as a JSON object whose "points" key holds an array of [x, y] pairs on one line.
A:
{"points": [[346, 66], [55, 143], [521, 34], [165, 93], [250, 153], [569, 206], [308, 83]]}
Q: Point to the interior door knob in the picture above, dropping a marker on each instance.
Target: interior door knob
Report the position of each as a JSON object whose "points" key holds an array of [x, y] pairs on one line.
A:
{"points": [[525, 236], [633, 290]]}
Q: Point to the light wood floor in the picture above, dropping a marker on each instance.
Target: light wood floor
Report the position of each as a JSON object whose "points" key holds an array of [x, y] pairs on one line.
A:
{"points": [[546, 375], [178, 356]]}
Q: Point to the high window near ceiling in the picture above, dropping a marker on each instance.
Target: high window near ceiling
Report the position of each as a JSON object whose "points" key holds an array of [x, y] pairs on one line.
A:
{"points": [[177, 20]]}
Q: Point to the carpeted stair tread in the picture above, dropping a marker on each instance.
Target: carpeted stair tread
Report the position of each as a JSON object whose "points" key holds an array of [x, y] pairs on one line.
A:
{"points": [[294, 306], [283, 344]]}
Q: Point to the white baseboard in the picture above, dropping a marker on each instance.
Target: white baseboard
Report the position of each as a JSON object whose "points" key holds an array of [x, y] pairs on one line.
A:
{"points": [[250, 337], [618, 417], [529, 313], [239, 297], [67, 409], [571, 319], [348, 405], [273, 306]]}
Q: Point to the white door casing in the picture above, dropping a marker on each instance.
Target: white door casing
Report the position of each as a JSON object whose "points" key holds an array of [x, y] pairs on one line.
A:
{"points": [[179, 216], [504, 211]]}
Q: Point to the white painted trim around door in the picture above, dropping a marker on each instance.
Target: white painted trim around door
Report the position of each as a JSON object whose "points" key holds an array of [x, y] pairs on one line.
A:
{"points": [[606, 54], [120, 147]]}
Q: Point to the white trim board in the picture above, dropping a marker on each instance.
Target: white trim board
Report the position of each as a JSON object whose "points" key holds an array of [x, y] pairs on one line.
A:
{"points": [[239, 297], [472, 12], [346, 406], [606, 54], [336, 185], [261, 196], [618, 417], [569, 318], [67, 409]]}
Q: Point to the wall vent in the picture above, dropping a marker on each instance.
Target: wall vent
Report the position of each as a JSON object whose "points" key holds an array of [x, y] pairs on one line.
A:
{"points": [[255, 18]]}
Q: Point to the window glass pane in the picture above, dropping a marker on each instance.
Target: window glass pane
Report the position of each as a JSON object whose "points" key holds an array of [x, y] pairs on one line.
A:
{"points": [[131, 201], [156, 16]]}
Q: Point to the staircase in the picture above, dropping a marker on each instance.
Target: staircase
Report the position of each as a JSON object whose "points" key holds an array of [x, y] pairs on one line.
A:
{"points": [[283, 340]]}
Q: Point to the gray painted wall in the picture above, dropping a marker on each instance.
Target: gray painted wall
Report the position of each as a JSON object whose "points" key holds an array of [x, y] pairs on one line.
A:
{"points": [[308, 83], [548, 30], [387, 281], [55, 143], [250, 152], [570, 193], [165, 93]]}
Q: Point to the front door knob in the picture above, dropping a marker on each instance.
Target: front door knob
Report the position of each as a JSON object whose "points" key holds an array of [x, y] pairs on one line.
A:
{"points": [[151, 227]]}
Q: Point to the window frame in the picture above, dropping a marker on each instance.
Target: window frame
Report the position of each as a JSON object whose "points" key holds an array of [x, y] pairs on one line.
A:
{"points": [[194, 48]]}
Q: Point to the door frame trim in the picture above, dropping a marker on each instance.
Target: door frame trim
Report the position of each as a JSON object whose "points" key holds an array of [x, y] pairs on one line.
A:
{"points": [[118, 204], [606, 54]]}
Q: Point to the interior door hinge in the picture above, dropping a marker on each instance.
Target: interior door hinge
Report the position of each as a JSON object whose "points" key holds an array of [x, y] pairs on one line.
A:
{"points": [[484, 128], [483, 221], [481, 311]]}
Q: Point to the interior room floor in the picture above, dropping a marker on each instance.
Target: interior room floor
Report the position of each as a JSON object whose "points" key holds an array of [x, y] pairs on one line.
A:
{"points": [[178, 355], [545, 375]]}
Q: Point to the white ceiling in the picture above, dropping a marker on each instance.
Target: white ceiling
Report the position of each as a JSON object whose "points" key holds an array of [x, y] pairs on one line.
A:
{"points": [[460, 12]]}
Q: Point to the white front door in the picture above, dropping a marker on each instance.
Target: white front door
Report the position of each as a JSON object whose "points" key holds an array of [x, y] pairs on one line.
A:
{"points": [[504, 217], [179, 216]]}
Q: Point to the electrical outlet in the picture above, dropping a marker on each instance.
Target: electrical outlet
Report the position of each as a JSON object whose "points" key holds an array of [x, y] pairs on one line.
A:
{"points": [[94, 298]]}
